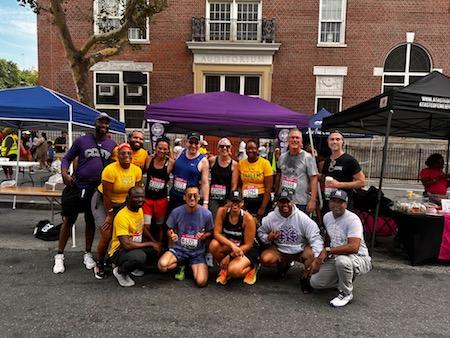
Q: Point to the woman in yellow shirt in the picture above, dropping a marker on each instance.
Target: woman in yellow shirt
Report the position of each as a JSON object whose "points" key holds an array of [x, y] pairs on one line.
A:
{"points": [[117, 179], [254, 177]]}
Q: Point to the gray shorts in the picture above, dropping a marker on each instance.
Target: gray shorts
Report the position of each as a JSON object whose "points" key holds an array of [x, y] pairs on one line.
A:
{"points": [[98, 208]]}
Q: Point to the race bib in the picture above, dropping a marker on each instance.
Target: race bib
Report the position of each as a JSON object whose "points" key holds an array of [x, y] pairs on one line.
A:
{"points": [[289, 183], [189, 241], [137, 237], [180, 184], [218, 191], [156, 184], [250, 192], [235, 241]]}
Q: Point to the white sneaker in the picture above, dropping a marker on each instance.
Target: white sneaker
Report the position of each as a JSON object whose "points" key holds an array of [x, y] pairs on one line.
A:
{"points": [[124, 280], [89, 261], [341, 299], [59, 264], [137, 273]]}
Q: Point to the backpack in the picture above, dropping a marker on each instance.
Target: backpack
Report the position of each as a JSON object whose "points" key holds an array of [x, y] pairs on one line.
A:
{"points": [[47, 231]]}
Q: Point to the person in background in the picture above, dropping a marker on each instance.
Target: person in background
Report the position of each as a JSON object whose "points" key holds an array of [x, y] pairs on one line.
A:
{"points": [[255, 177], [203, 150], [222, 168], [241, 151], [60, 143], [50, 153], [25, 153], [9, 149], [41, 147], [433, 178], [177, 148]]}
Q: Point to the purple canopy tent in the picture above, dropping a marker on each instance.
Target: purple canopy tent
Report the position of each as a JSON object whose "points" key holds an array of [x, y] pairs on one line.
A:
{"points": [[223, 114]]}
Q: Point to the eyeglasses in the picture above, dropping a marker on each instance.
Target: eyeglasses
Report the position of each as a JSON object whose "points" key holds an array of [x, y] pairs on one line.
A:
{"points": [[223, 146], [189, 196], [331, 167], [193, 142]]}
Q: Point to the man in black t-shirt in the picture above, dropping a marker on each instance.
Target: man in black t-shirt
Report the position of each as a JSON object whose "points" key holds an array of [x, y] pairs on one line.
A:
{"points": [[60, 143], [340, 170]]}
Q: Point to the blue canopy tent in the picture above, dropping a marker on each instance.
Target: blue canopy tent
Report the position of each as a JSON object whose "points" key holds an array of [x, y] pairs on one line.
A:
{"points": [[42, 108]]}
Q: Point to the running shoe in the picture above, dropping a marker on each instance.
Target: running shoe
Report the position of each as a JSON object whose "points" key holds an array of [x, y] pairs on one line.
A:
{"points": [[341, 300], [137, 273], [59, 264], [180, 274], [305, 285], [124, 280], [99, 271], [250, 277], [222, 277], [89, 261]]}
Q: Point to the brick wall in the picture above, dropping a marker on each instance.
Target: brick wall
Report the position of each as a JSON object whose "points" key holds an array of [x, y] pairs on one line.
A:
{"points": [[373, 28]]}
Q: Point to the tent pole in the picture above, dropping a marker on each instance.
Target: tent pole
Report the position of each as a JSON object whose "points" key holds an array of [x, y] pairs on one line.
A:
{"points": [[19, 136], [380, 185], [370, 159], [311, 141]]}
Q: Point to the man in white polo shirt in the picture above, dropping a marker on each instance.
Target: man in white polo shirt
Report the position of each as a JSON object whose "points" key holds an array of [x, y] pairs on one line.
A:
{"points": [[346, 255]]}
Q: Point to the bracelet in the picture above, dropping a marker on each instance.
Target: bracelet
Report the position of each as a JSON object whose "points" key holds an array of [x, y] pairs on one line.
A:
{"points": [[205, 202], [111, 210]]}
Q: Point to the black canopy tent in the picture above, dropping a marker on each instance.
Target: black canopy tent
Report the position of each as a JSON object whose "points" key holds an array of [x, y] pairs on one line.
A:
{"points": [[420, 110]]}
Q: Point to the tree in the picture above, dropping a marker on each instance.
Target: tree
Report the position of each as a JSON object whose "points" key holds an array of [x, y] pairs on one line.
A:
{"points": [[101, 45], [12, 76]]}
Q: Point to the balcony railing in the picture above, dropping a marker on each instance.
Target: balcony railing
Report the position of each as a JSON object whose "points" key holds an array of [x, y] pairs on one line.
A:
{"points": [[204, 29]]}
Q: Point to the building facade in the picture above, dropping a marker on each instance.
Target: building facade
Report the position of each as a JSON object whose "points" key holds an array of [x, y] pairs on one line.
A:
{"points": [[304, 55]]}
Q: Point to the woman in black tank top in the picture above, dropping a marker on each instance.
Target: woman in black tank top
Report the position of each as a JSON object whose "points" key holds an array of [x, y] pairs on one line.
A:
{"points": [[233, 246]]}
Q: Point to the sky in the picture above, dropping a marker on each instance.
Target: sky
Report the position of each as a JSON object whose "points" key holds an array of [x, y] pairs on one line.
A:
{"points": [[18, 38]]}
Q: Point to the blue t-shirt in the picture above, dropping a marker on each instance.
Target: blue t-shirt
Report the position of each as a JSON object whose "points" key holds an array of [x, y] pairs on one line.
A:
{"points": [[186, 225]]}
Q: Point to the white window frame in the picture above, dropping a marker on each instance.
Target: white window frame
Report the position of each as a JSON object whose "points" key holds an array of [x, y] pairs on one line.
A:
{"points": [[407, 73], [241, 83], [233, 19], [121, 106], [131, 40], [343, 20], [316, 100]]}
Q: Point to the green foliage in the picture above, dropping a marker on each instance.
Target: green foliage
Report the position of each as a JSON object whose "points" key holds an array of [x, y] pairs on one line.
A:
{"points": [[12, 76]]}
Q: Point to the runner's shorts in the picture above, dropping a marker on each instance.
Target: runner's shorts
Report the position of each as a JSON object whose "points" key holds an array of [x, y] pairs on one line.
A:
{"points": [[156, 208], [190, 257], [74, 201]]}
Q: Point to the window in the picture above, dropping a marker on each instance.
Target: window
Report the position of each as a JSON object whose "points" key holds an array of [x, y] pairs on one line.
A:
{"points": [[122, 94], [234, 20], [331, 104], [240, 84], [404, 65], [107, 16], [332, 22]]}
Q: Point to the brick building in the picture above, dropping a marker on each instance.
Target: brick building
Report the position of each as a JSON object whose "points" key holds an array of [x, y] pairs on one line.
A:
{"points": [[301, 54]]}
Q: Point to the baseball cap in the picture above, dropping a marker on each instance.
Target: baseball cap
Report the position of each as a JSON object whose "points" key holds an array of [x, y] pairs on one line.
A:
{"points": [[235, 196], [26, 132], [193, 134], [284, 195], [103, 116], [339, 194], [124, 146]]}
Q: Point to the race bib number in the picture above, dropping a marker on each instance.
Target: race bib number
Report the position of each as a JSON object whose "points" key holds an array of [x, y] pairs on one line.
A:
{"points": [[250, 192], [189, 241], [180, 184], [137, 237], [218, 191], [289, 183], [156, 184]]}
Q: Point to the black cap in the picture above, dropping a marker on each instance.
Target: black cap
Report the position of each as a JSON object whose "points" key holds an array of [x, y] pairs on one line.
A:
{"points": [[193, 134], [284, 195], [235, 196], [340, 195]]}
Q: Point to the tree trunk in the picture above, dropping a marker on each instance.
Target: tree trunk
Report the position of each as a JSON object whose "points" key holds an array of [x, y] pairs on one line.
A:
{"points": [[80, 73]]}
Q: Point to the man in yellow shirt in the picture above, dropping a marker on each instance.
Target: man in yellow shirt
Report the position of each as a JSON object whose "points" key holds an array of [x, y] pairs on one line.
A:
{"points": [[139, 156], [128, 250]]}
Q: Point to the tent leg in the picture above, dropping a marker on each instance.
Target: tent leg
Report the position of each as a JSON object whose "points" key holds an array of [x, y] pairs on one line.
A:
{"points": [[380, 185], [369, 174]]}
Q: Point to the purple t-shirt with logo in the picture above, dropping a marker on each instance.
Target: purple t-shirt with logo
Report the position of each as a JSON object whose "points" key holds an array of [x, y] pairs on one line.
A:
{"points": [[186, 225], [90, 165]]}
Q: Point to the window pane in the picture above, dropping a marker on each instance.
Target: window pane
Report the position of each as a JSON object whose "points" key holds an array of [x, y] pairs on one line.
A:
{"points": [[232, 84], [330, 104], [251, 85], [136, 95], [396, 60], [107, 78], [332, 10], [247, 21], [134, 118], [330, 32], [219, 16], [413, 79], [107, 94], [420, 62], [394, 79], [389, 88], [114, 113], [212, 83]]}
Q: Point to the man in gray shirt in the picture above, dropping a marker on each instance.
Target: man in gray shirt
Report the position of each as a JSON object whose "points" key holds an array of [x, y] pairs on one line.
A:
{"points": [[346, 255], [297, 173]]}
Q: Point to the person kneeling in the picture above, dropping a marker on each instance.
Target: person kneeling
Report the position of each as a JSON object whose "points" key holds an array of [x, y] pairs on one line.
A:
{"points": [[233, 243], [128, 252], [189, 225], [292, 236], [347, 253]]}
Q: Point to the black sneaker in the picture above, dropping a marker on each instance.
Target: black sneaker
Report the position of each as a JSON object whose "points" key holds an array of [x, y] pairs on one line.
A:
{"points": [[99, 271], [305, 285], [282, 269]]}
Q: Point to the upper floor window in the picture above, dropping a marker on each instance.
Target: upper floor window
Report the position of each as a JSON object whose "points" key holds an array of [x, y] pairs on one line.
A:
{"points": [[240, 84], [332, 22], [404, 65], [107, 17], [234, 20]]}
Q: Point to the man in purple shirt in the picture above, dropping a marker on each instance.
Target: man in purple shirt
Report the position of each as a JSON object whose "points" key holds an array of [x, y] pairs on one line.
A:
{"points": [[92, 151]]}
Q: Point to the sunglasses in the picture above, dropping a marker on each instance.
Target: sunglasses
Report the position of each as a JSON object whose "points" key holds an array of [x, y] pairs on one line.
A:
{"points": [[223, 146], [193, 141], [331, 167], [189, 196]]}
